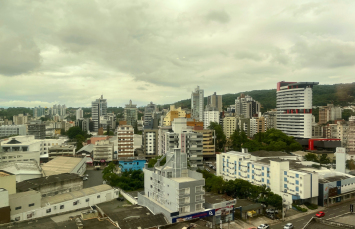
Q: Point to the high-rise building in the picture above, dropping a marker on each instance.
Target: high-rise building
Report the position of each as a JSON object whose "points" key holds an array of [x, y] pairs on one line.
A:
{"points": [[38, 111], [131, 114], [215, 101], [148, 115], [98, 109], [270, 119], [294, 108], [79, 114], [125, 141], [246, 106], [197, 106], [229, 125], [83, 123], [329, 113], [257, 125], [38, 130], [211, 115], [150, 142], [19, 119], [351, 136]]}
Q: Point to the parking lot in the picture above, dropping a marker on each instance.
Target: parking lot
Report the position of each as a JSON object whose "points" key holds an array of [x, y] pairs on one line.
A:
{"points": [[95, 178]]}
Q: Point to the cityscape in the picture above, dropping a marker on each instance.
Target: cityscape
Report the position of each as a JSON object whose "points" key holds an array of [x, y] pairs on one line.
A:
{"points": [[177, 114]]}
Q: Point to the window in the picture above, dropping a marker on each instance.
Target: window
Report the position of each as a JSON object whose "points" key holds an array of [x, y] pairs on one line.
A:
{"points": [[297, 182], [297, 189], [30, 205], [285, 185], [198, 207], [18, 208], [285, 173], [98, 196], [262, 179], [151, 178], [151, 186], [87, 200], [297, 175], [75, 203], [48, 210], [61, 206]]}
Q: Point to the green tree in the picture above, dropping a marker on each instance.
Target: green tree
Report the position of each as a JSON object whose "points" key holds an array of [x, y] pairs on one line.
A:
{"points": [[220, 137], [111, 133], [324, 159], [311, 157], [74, 131]]}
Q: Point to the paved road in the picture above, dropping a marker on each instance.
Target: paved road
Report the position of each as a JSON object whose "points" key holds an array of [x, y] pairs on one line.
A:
{"points": [[329, 213], [95, 178]]}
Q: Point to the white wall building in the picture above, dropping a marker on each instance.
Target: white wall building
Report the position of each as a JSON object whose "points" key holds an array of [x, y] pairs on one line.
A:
{"points": [[79, 114], [294, 108], [283, 175], [11, 130], [210, 116]]}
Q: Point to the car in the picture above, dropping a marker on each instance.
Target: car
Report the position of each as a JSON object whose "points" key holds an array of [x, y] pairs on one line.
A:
{"points": [[264, 226], [86, 175], [289, 226], [320, 214], [272, 211], [120, 199], [85, 178]]}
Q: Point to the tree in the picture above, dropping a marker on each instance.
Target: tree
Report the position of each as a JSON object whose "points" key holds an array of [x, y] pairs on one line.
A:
{"points": [[74, 131], [111, 133], [220, 137], [324, 159], [311, 157], [79, 141], [350, 164]]}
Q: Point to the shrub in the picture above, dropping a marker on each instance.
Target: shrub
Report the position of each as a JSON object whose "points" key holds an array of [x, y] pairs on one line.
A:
{"points": [[311, 206], [298, 208]]}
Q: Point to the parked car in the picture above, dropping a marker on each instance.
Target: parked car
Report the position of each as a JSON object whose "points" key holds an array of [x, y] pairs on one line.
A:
{"points": [[85, 178], [272, 211], [86, 175], [120, 199], [264, 226], [289, 226], [320, 214]]}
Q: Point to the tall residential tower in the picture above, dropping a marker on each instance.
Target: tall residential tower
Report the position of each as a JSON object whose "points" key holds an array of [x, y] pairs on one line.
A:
{"points": [[197, 106], [294, 108], [98, 108]]}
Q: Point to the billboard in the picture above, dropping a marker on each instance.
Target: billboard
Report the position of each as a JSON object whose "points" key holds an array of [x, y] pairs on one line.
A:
{"points": [[194, 216], [224, 211]]}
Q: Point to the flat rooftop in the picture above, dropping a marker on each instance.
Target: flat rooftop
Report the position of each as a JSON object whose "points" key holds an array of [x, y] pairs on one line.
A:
{"points": [[21, 167], [74, 195], [133, 216], [26, 185], [264, 153], [61, 165], [213, 198], [65, 147]]}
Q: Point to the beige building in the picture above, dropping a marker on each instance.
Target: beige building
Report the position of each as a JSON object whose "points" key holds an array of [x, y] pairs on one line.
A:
{"points": [[207, 141], [257, 125], [125, 141], [229, 125], [24, 202], [8, 181], [329, 113], [343, 130], [20, 119], [103, 151], [61, 165], [172, 114]]}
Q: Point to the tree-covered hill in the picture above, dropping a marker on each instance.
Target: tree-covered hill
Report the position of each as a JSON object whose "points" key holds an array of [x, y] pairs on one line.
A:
{"points": [[339, 94]]}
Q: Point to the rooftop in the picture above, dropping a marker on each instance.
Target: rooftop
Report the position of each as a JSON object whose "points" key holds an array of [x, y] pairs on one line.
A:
{"points": [[61, 165], [264, 153], [61, 147], [21, 167], [4, 173], [213, 198], [22, 194], [196, 223], [183, 179], [26, 185], [88, 148], [134, 216], [74, 195]]}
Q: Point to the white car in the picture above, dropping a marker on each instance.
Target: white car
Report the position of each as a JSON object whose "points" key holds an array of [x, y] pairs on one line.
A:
{"points": [[85, 178], [289, 226], [264, 226]]}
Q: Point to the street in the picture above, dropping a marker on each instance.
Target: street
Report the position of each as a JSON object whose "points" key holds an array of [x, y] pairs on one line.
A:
{"points": [[95, 178], [329, 213]]}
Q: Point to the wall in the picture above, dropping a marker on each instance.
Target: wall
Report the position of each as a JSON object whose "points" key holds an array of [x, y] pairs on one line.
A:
{"points": [[23, 177], [153, 207], [68, 205], [61, 187], [81, 167], [23, 200], [128, 197], [8, 183], [4, 198], [134, 165]]}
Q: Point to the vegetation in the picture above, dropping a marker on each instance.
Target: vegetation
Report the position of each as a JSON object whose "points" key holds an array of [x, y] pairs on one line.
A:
{"points": [[311, 206], [128, 180], [346, 114], [75, 133], [111, 133], [271, 140], [322, 159], [11, 111], [220, 136], [241, 189], [154, 160], [299, 208], [350, 164]]}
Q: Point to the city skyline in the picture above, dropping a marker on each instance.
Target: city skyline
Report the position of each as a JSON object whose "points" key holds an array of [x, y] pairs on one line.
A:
{"points": [[70, 53]]}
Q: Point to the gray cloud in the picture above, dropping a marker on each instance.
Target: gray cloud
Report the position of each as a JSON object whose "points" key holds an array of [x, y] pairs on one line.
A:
{"points": [[74, 51]]}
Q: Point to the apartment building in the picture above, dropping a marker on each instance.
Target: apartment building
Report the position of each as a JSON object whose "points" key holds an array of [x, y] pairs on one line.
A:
{"points": [[270, 119], [214, 101], [103, 151], [125, 141], [149, 111], [98, 109], [351, 136], [294, 108], [6, 130], [130, 114], [197, 104], [79, 114], [257, 125], [83, 123], [150, 142], [208, 142], [229, 125], [161, 139], [172, 114], [37, 130], [211, 115], [329, 113], [173, 189], [246, 106], [284, 175], [38, 111], [20, 119]]}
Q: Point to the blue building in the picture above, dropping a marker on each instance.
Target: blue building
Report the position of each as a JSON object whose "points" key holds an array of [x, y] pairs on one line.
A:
{"points": [[134, 164]]}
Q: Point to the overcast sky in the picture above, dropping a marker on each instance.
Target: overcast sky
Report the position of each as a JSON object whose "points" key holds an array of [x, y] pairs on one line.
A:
{"points": [[71, 52]]}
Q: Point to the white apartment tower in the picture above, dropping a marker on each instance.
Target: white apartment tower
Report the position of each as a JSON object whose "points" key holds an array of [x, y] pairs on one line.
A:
{"points": [[197, 100], [294, 108], [98, 108], [79, 114]]}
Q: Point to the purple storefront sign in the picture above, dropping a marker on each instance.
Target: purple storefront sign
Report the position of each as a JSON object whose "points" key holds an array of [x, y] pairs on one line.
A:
{"points": [[194, 216]]}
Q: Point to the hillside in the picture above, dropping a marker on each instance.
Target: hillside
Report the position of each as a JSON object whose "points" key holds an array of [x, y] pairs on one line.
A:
{"points": [[339, 94]]}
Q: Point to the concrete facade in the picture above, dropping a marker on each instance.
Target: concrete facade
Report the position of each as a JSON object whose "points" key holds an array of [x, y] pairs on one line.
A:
{"points": [[172, 189], [8, 181], [150, 142], [130, 114], [103, 151], [6, 130], [229, 125], [210, 116], [98, 109], [197, 104]]}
